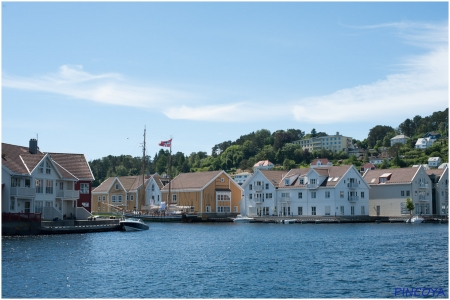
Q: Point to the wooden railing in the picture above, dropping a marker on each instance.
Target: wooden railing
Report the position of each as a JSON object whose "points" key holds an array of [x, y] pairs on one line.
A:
{"points": [[12, 217]]}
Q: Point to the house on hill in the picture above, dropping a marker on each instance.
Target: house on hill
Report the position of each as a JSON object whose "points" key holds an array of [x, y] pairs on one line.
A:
{"points": [[263, 165], [320, 162]]}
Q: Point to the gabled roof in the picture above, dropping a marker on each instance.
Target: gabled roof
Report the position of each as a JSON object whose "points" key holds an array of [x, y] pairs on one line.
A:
{"points": [[397, 176], [18, 159], [400, 136], [263, 163], [275, 177], [128, 183], [197, 180], [75, 164], [368, 166], [334, 175], [323, 162]]}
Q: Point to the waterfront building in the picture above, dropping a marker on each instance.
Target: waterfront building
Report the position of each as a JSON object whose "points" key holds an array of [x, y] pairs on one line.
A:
{"points": [[153, 189], [439, 180], [263, 165], [334, 143], [324, 191], [57, 185], [240, 178], [209, 194], [399, 139], [389, 189], [115, 194]]}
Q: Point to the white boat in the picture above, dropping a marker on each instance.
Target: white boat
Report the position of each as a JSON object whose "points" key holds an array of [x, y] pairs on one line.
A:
{"points": [[292, 221], [133, 224], [415, 219], [243, 219]]}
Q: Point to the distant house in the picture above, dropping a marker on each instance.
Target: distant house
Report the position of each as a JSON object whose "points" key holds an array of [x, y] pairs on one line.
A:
{"points": [[432, 135], [209, 194], [390, 188], [153, 189], [443, 166], [376, 160], [423, 143], [399, 139], [320, 162], [240, 178], [263, 165], [434, 162], [53, 184], [368, 166]]}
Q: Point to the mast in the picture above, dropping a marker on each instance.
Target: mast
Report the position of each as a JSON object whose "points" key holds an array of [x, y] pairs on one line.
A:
{"points": [[143, 169], [170, 172]]}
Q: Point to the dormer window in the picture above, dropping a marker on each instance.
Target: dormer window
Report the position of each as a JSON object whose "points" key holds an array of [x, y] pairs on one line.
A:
{"points": [[286, 182], [301, 181], [312, 181]]}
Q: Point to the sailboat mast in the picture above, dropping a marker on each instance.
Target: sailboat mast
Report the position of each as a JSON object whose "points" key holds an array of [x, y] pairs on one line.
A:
{"points": [[143, 169], [170, 172]]}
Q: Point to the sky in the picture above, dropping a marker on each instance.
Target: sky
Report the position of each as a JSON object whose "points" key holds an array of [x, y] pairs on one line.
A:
{"points": [[89, 77]]}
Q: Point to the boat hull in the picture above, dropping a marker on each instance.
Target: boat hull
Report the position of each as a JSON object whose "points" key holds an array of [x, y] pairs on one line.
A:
{"points": [[133, 225]]}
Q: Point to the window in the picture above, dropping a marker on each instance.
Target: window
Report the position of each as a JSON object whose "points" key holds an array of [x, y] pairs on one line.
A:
{"points": [[250, 196], [223, 209], [119, 198], [352, 210], [84, 188], [300, 210], [407, 193], [327, 194], [342, 210], [301, 181], [48, 169], [250, 187], [39, 186], [267, 186], [312, 181], [313, 195], [327, 210], [132, 198], [268, 195], [117, 186], [342, 194], [113, 198], [208, 209], [402, 193], [11, 206], [285, 195], [15, 182], [174, 198], [222, 179], [362, 195], [286, 182], [27, 183], [403, 209], [153, 187], [99, 198], [49, 187], [104, 198], [300, 195], [313, 210], [41, 168]]}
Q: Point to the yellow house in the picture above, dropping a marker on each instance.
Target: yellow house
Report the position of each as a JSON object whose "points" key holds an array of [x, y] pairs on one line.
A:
{"points": [[123, 192], [209, 194]]}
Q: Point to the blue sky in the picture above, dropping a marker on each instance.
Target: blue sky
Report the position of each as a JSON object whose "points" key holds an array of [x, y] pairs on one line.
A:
{"points": [[88, 77]]}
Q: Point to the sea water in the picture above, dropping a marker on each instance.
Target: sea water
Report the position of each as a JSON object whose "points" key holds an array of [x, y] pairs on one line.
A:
{"points": [[231, 260]]}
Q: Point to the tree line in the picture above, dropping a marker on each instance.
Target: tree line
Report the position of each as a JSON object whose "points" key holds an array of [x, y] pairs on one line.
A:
{"points": [[277, 147]]}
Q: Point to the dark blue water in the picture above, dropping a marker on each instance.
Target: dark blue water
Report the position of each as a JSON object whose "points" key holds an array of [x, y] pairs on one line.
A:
{"points": [[228, 260]]}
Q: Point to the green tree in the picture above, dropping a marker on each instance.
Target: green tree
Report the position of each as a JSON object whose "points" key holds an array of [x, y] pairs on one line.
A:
{"points": [[409, 205]]}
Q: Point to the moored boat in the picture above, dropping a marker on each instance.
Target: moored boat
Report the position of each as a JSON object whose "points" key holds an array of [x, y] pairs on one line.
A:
{"points": [[133, 224], [243, 219], [415, 219]]}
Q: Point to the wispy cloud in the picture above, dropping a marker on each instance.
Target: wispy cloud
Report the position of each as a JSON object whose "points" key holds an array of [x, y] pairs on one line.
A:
{"points": [[421, 82], [108, 88]]}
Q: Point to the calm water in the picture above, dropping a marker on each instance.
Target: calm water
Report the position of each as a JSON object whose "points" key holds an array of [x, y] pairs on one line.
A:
{"points": [[228, 260]]}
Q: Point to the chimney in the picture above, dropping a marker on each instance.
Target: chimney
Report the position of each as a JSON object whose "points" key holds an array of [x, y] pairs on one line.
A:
{"points": [[33, 146]]}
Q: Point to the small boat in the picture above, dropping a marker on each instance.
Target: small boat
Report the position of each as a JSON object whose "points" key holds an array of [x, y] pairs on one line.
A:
{"points": [[292, 221], [415, 219], [133, 224], [243, 219]]}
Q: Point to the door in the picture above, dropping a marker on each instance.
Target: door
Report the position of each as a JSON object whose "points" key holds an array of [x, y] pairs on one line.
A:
{"points": [[378, 211], [27, 207]]}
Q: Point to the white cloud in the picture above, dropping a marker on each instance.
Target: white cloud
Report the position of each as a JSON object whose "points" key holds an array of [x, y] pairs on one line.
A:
{"points": [[109, 88]]}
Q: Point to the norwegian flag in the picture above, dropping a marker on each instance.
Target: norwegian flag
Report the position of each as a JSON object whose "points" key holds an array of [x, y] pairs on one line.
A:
{"points": [[166, 143]]}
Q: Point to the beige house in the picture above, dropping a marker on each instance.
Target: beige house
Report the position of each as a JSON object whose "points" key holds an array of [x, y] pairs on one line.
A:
{"points": [[209, 194], [123, 192], [389, 189]]}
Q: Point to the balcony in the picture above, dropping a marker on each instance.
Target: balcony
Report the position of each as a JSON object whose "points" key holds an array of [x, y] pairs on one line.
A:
{"points": [[312, 186], [423, 185], [23, 191], [353, 185], [258, 188], [68, 194], [423, 198], [353, 198]]}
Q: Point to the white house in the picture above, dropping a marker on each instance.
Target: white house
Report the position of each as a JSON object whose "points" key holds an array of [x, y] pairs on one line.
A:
{"points": [[263, 165], [326, 191], [423, 143], [153, 189], [434, 162], [390, 188], [399, 139], [240, 178]]}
